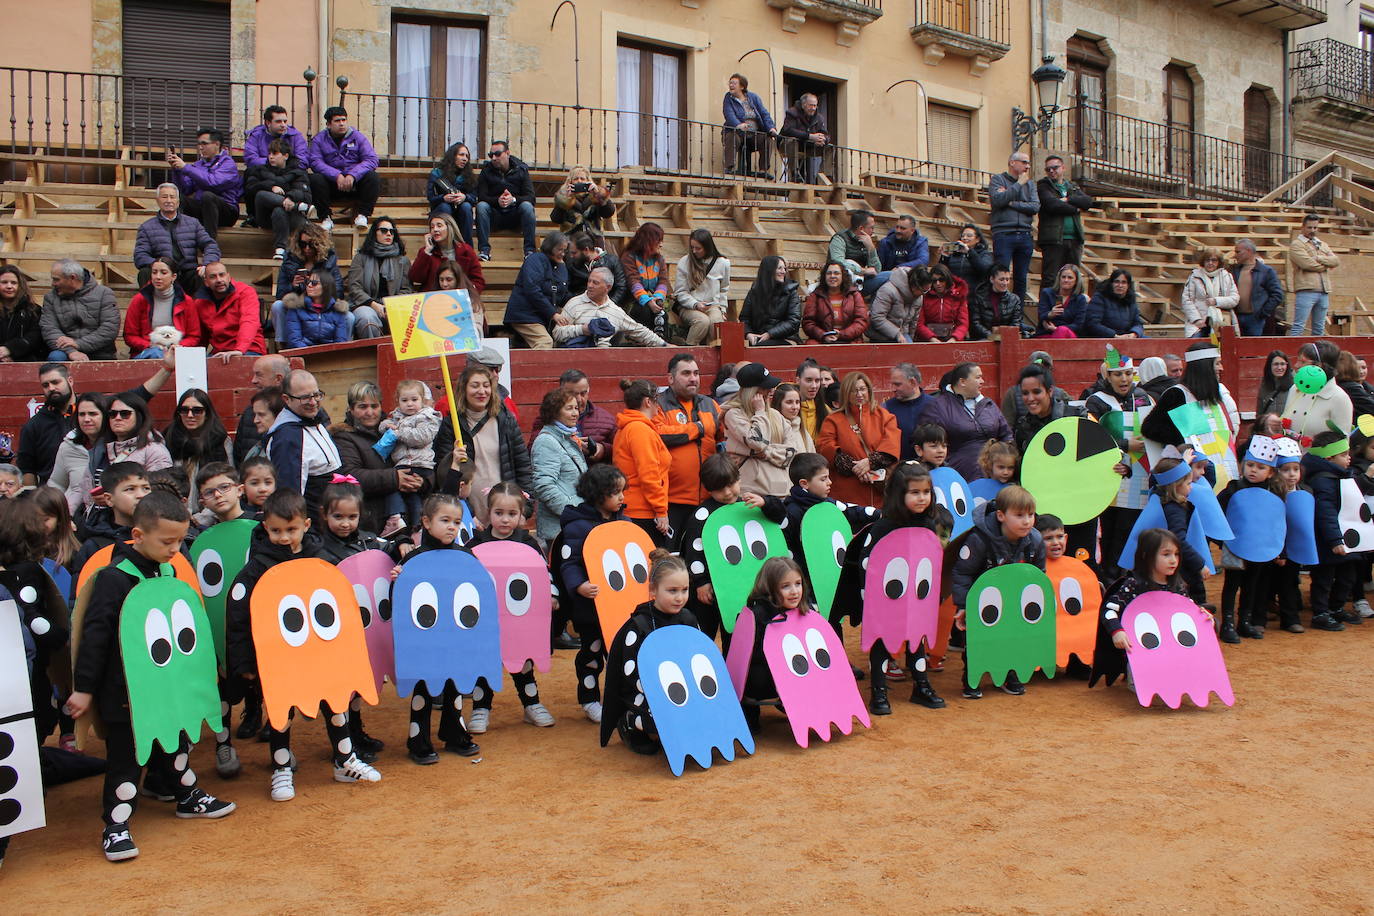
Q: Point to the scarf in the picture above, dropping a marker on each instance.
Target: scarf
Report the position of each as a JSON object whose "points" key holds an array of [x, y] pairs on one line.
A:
{"points": [[697, 270], [375, 266], [565, 430], [1211, 282]]}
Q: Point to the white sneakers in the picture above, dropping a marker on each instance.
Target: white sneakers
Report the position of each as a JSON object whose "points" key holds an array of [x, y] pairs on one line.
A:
{"points": [[283, 784], [593, 711], [279, 254], [354, 770], [478, 721], [537, 714], [327, 224], [360, 221]]}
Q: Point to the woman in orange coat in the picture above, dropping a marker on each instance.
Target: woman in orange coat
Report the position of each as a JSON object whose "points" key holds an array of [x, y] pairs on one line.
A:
{"points": [[835, 311], [642, 457], [861, 441]]}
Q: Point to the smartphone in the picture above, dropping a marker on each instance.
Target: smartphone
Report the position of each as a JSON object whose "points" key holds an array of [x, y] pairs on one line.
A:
{"points": [[300, 278], [880, 475]]}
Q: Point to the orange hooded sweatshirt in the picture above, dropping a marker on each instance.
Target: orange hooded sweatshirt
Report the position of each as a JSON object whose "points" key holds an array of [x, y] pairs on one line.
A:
{"points": [[642, 457]]}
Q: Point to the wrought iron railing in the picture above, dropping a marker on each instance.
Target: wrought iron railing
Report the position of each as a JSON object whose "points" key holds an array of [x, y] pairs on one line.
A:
{"points": [[989, 20], [1332, 69]]}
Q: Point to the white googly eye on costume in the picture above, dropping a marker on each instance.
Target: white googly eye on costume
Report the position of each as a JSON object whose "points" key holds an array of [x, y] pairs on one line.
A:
{"points": [[673, 682], [731, 547], [158, 637], [324, 614], [895, 577], [381, 594], [614, 568], [184, 626], [704, 673], [819, 651], [467, 606], [925, 578], [364, 601], [424, 606], [1071, 596], [795, 653], [1033, 603], [637, 563], [959, 498], [1185, 629], [838, 547], [291, 620], [990, 607], [210, 572], [1147, 631], [755, 539], [518, 594]]}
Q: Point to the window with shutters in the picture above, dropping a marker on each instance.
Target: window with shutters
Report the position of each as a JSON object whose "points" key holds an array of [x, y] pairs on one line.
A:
{"points": [[1178, 117], [176, 73], [950, 135], [438, 75], [1258, 142], [1087, 96]]}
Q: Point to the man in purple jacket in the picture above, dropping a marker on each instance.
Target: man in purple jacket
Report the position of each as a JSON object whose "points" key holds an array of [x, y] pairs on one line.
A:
{"points": [[275, 125], [210, 186], [343, 164]]}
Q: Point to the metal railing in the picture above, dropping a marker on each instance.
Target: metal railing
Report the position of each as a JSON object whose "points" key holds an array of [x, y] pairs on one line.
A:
{"points": [[989, 20], [1332, 69]]}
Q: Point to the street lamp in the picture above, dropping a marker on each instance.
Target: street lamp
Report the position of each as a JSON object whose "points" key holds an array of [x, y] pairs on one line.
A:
{"points": [[1049, 80]]}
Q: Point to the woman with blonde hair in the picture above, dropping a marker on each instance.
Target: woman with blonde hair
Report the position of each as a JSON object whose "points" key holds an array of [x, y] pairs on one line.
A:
{"points": [[1210, 296], [443, 243], [861, 441], [756, 435], [580, 204]]}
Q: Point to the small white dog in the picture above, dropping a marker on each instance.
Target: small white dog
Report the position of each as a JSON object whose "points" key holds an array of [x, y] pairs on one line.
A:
{"points": [[164, 337]]}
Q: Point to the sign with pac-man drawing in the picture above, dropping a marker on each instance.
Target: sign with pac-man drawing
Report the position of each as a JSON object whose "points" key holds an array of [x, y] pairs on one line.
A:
{"points": [[432, 324]]}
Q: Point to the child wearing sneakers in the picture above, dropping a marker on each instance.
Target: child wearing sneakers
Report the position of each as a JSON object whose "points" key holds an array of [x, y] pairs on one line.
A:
{"points": [[159, 524], [283, 535]]}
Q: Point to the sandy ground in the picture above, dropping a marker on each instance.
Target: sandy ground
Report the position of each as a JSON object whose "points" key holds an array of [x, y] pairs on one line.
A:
{"points": [[1065, 800]]}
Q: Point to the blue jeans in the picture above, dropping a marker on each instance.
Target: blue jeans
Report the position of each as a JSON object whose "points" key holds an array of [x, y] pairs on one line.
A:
{"points": [[1309, 302], [1014, 249], [1251, 325], [366, 323], [462, 215], [874, 283], [150, 353], [519, 217]]}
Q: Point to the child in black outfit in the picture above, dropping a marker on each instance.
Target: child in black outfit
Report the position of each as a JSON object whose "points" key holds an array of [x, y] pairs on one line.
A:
{"points": [[1284, 584], [1156, 568], [1325, 465], [1257, 470], [125, 482]]}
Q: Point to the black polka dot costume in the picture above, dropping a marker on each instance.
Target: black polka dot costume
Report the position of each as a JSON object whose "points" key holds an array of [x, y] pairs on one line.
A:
{"points": [[578, 521], [625, 706]]}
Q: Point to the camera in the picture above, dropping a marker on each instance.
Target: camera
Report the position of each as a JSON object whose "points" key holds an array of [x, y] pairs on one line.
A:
{"points": [[582, 187]]}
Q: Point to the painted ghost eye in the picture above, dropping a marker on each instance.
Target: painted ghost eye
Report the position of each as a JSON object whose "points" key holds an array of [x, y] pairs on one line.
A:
{"points": [[1033, 603], [324, 614], [730, 546], [637, 562], [158, 637], [925, 577], [467, 606], [673, 682], [518, 594], [756, 540], [940, 498], [291, 620], [704, 673], [1071, 596], [795, 653], [210, 572], [464, 535], [894, 578], [1185, 629], [184, 626], [958, 499], [614, 568], [381, 594], [990, 607], [364, 599], [1147, 631], [815, 644], [837, 547], [424, 606]]}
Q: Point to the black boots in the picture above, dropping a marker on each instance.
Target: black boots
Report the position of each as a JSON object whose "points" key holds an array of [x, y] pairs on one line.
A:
{"points": [[923, 694], [1227, 634], [878, 704]]}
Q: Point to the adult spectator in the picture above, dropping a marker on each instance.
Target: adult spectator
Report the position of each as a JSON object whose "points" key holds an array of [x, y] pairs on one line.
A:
{"points": [[787, 402], [1014, 405], [1063, 306], [310, 247], [505, 198], [1313, 260], [968, 257], [588, 252], [1201, 384], [380, 268], [970, 420], [1060, 235], [1014, 204], [594, 320], [74, 451], [129, 436], [277, 194], [79, 319], [1113, 311], [856, 249], [540, 290], [162, 303], [318, 317], [835, 312], [444, 243], [1154, 376], [196, 436], [176, 235], [1309, 414], [268, 372], [646, 273], [492, 440], [903, 246], [813, 406], [264, 406], [211, 185], [749, 129], [452, 190], [701, 287], [907, 404], [298, 444], [771, 313], [1258, 290], [343, 165], [807, 137], [580, 204], [1043, 404], [1350, 380], [944, 308], [689, 424], [355, 439], [861, 441], [230, 315], [557, 460], [995, 306], [1275, 385], [1209, 295], [642, 457], [756, 435], [1173, 365], [276, 125], [21, 338], [897, 308], [595, 425]]}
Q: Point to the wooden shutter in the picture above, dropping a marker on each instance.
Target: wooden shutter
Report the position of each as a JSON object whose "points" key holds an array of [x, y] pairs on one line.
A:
{"points": [[176, 72], [950, 132]]}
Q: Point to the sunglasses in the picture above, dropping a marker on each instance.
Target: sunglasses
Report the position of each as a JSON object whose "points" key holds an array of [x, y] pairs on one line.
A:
{"points": [[387, 229], [190, 410], [122, 414]]}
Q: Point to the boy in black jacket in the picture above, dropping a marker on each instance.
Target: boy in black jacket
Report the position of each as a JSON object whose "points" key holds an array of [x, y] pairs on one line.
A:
{"points": [[159, 524], [277, 194], [125, 483], [1325, 465]]}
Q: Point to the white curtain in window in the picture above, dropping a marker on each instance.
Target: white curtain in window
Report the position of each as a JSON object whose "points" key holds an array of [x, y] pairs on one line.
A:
{"points": [[627, 100], [411, 90], [463, 81], [666, 111]]}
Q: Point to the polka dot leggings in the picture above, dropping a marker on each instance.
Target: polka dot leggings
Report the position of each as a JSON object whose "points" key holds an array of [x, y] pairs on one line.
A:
{"points": [[120, 798], [525, 688], [452, 729], [335, 726]]}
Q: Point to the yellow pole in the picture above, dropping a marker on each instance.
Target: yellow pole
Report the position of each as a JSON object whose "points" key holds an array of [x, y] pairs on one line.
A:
{"points": [[452, 403]]}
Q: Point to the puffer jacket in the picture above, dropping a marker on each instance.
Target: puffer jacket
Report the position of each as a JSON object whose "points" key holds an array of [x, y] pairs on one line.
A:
{"points": [[818, 317], [138, 319], [255, 145], [779, 318], [292, 263], [154, 240], [987, 547], [1196, 291], [578, 273], [540, 289], [951, 309], [350, 154], [219, 175], [982, 318], [492, 182], [643, 459], [514, 457], [414, 437], [88, 316], [557, 463], [231, 323], [971, 266], [290, 178], [309, 324], [896, 309]]}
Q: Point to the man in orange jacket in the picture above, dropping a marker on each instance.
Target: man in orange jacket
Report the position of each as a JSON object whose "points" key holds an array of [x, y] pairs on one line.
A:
{"points": [[688, 423]]}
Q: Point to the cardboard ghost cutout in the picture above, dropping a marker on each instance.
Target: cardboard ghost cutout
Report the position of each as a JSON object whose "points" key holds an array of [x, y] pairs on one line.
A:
{"points": [[736, 540], [1011, 624], [1069, 467], [1300, 535], [1258, 519], [169, 664], [62, 578], [902, 590], [1172, 650], [813, 677], [369, 573], [218, 555], [524, 594], [691, 697], [446, 623], [308, 634], [1355, 517], [1079, 600], [985, 490], [952, 492], [825, 537], [21, 780], [101, 558], [616, 556]]}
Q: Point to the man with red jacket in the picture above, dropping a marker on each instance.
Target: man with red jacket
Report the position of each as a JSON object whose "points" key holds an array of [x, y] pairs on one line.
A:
{"points": [[688, 423], [230, 315]]}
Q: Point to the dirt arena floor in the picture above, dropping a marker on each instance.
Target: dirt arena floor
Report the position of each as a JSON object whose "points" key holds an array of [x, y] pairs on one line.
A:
{"points": [[1065, 800]]}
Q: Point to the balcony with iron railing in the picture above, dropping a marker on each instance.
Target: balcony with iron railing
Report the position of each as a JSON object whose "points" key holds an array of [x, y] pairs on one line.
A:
{"points": [[977, 29], [849, 16], [1333, 72], [1285, 15]]}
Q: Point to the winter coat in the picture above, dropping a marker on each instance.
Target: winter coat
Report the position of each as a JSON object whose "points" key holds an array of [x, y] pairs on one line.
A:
{"points": [[152, 454], [972, 266], [1074, 312], [414, 437], [424, 270], [1108, 316], [335, 549], [894, 253], [232, 323], [558, 462], [950, 309], [351, 154], [846, 248], [595, 424], [818, 317], [843, 447], [303, 453], [292, 263], [1308, 414], [580, 311], [154, 240], [987, 547], [1014, 204], [1055, 212], [965, 433], [714, 288], [1324, 478], [579, 212], [514, 456], [578, 273], [908, 415], [1312, 260], [799, 500], [642, 457], [255, 145], [779, 318], [540, 289], [291, 178], [576, 522], [138, 319], [982, 318], [88, 316], [492, 182], [1266, 292], [40, 437], [20, 332], [896, 309], [761, 455], [690, 432], [219, 175], [460, 182], [733, 110], [1361, 402], [799, 125], [367, 270], [309, 323], [69, 468], [376, 475], [1199, 286]]}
